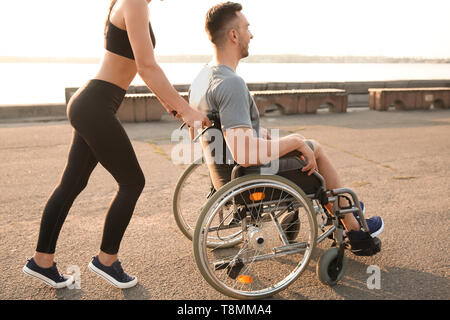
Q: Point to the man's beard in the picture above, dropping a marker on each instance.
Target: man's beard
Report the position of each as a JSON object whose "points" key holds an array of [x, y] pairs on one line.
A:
{"points": [[244, 52]]}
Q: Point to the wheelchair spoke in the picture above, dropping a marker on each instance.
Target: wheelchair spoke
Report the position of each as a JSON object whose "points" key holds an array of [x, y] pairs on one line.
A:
{"points": [[277, 252]]}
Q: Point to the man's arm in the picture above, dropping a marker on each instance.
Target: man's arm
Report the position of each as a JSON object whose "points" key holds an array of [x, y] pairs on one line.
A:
{"points": [[248, 150]]}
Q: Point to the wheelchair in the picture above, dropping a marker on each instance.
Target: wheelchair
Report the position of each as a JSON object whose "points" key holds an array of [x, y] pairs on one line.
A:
{"points": [[255, 235]]}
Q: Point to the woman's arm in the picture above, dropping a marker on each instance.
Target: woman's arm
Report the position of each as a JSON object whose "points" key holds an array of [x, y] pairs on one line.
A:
{"points": [[137, 24]]}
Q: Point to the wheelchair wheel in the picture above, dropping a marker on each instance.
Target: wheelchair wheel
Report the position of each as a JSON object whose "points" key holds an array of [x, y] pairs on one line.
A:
{"points": [[191, 193], [266, 261], [327, 270], [291, 226]]}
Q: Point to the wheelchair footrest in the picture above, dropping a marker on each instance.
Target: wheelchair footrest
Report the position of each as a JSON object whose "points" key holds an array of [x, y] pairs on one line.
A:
{"points": [[365, 247]]}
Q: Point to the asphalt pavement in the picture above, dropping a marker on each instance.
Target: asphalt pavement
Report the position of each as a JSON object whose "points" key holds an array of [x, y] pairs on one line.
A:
{"points": [[398, 162]]}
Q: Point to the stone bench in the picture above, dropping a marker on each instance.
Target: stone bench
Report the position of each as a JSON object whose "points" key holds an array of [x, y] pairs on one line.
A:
{"points": [[301, 100], [381, 99], [142, 107]]}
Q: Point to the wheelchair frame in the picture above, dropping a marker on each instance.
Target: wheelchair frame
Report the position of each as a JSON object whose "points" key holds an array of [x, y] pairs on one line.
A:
{"points": [[330, 267]]}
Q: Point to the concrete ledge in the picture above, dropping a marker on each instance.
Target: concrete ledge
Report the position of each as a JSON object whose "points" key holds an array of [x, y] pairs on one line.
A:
{"points": [[51, 111], [357, 93], [142, 107], [351, 87]]}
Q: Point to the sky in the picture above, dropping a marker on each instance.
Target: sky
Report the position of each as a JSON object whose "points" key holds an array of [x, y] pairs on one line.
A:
{"points": [[397, 28]]}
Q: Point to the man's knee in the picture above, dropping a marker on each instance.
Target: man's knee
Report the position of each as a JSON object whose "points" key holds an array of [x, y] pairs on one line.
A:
{"points": [[316, 147]]}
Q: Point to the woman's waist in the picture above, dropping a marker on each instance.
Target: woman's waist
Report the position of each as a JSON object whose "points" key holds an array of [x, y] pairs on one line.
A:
{"points": [[117, 70], [120, 82], [97, 93]]}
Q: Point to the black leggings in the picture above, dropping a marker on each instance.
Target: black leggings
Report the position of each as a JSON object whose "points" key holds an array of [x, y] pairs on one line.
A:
{"points": [[98, 136]]}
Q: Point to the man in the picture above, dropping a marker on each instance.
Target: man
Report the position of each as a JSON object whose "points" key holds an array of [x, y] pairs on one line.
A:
{"points": [[218, 89]]}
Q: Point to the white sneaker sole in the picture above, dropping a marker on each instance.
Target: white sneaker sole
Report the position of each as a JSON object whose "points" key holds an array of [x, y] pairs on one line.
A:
{"points": [[50, 282], [379, 230], [110, 279]]}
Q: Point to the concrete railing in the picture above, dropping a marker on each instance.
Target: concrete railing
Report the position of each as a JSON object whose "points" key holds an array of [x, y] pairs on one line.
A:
{"points": [[357, 91], [409, 98], [357, 95]]}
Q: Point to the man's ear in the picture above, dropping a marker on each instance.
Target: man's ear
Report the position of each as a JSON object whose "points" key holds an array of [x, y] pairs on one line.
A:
{"points": [[233, 35]]}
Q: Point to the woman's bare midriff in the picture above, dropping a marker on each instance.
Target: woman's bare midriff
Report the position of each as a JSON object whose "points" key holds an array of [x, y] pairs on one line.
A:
{"points": [[117, 70]]}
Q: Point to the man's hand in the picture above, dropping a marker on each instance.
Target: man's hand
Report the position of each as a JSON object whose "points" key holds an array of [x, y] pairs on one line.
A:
{"points": [[264, 134], [308, 153]]}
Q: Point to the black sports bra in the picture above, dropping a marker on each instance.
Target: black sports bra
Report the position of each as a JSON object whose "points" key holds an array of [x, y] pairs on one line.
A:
{"points": [[117, 41]]}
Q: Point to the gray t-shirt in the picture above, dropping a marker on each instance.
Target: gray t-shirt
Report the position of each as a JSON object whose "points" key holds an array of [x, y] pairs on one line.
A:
{"points": [[219, 89]]}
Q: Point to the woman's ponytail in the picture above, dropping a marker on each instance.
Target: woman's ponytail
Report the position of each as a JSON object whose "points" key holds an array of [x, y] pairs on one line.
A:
{"points": [[113, 2]]}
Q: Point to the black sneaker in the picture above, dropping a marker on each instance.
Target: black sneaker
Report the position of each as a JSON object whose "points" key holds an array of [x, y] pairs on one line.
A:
{"points": [[50, 276], [114, 274]]}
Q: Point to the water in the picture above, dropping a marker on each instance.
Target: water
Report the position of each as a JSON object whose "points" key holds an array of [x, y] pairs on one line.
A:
{"points": [[28, 83]]}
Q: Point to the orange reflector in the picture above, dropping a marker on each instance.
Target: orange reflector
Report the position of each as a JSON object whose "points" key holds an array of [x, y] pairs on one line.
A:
{"points": [[245, 279], [257, 196]]}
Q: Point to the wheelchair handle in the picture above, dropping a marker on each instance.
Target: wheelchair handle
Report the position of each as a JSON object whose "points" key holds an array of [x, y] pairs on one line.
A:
{"points": [[213, 117]]}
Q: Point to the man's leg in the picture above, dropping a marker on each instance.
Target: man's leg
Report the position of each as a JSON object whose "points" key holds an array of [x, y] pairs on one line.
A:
{"points": [[333, 181]]}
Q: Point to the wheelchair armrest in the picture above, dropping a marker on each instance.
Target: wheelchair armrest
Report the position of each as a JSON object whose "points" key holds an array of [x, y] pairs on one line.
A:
{"points": [[236, 172]]}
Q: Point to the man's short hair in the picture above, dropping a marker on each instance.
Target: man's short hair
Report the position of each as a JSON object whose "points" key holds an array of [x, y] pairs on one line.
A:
{"points": [[218, 18]]}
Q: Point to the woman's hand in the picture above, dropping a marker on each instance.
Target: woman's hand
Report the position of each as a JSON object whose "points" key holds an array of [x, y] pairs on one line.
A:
{"points": [[195, 119]]}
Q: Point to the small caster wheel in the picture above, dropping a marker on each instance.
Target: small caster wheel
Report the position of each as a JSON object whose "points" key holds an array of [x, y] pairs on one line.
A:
{"points": [[327, 270]]}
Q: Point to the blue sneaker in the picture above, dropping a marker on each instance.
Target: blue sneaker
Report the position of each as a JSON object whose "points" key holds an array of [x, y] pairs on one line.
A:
{"points": [[50, 276], [375, 224], [114, 274]]}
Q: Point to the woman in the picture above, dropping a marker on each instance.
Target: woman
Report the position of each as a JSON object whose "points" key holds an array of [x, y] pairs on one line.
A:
{"points": [[98, 136]]}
